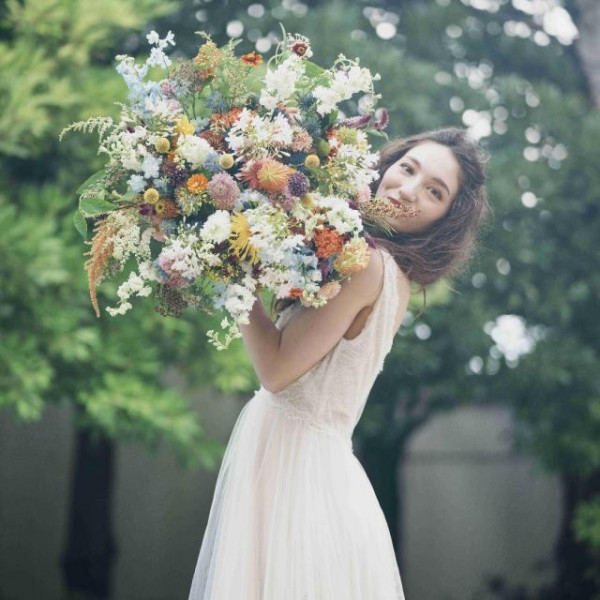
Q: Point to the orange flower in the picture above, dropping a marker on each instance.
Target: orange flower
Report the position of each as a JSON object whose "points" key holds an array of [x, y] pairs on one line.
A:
{"points": [[328, 242], [196, 183], [252, 58], [166, 209], [273, 176], [295, 292], [223, 121]]}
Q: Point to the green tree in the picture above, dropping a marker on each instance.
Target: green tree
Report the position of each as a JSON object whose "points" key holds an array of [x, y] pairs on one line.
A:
{"points": [[56, 60]]}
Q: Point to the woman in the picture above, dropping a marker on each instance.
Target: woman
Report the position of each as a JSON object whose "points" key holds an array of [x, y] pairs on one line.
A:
{"points": [[294, 516]]}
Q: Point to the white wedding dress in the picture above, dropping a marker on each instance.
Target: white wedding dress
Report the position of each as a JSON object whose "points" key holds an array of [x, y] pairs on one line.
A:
{"points": [[294, 515]]}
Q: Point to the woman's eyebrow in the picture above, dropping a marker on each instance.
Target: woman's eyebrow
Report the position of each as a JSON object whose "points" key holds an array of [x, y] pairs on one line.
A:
{"points": [[435, 178]]}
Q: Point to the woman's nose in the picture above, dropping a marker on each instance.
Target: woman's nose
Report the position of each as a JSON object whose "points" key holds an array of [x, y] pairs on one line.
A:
{"points": [[408, 193]]}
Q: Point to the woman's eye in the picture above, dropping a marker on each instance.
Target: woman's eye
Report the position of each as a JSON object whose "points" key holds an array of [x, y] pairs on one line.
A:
{"points": [[408, 168], [436, 193]]}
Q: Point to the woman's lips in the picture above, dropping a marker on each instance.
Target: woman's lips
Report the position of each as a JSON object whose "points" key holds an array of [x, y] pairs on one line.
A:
{"points": [[394, 201]]}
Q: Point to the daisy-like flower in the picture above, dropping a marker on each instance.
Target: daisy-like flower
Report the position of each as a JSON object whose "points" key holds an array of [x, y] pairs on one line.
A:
{"points": [[299, 45], [252, 58], [239, 239], [223, 191]]}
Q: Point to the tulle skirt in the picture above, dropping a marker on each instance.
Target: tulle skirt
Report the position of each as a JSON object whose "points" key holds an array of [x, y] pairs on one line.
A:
{"points": [[294, 517]]}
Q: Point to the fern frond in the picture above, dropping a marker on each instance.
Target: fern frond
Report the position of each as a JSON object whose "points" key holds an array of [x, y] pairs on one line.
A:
{"points": [[101, 124]]}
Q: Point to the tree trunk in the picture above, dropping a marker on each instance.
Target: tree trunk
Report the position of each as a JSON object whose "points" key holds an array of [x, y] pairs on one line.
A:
{"points": [[575, 562], [588, 44], [380, 461], [90, 551]]}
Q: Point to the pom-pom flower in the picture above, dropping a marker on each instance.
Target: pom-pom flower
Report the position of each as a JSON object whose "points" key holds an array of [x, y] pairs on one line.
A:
{"points": [[312, 161], [151, 196], [223, 191], [162, 145], [298, 184], [226, 161]]}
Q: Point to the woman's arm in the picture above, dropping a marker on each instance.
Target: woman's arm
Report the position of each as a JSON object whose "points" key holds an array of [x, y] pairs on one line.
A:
{"points": [[281, 357]]}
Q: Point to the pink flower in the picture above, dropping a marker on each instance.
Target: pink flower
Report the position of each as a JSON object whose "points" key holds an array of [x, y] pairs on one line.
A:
{"points": [[224, 191], [330, 290]]}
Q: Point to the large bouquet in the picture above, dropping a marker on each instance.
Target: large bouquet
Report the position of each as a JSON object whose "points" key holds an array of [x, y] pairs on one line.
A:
{"points": [[230, 175]]}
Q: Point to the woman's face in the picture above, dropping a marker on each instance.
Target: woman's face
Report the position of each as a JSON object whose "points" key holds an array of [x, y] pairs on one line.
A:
{"points": [[426, 180]]}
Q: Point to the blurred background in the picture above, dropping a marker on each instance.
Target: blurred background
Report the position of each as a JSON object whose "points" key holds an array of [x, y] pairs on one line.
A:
{"points": [[482, 434]]}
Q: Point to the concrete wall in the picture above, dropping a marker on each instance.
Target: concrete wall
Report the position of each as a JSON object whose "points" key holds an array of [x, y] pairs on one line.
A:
{"points": [[474, 509], [470, 508]]}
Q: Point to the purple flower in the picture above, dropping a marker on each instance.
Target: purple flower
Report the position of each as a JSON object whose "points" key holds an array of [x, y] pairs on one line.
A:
{"points": [[357, 122], [383, 120], [298, 185]]}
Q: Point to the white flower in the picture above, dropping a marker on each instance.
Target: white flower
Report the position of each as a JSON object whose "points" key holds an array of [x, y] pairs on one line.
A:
{"points": [[153, 37], [151, 166], [194, 149], [281, 83], [217, 227], [137, 183]]}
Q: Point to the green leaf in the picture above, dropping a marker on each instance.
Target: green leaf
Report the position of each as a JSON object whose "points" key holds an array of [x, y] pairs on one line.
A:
{"points": [[80, 224], [95, 178], [92, 207]]}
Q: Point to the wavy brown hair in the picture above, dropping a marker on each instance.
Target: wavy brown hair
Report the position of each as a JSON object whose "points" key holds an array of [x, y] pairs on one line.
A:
{"points": [[444, 247]]}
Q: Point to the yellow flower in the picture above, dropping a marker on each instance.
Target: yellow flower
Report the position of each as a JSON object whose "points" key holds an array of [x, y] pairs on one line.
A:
{"points": [[312, 161], [151, 196], [162, 145], [353, 257], [226, 161], [183, 126], [239, 238]]}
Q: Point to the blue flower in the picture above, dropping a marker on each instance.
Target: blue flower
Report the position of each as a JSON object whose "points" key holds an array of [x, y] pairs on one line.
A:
{"points": [[216, 102]]}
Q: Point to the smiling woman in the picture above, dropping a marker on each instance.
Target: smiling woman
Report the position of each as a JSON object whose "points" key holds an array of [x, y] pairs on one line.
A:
{"points": [[441, 176], [294, 515]]}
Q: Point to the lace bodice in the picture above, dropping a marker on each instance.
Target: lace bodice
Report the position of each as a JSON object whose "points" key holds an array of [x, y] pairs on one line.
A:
{"points": [[331, 396]]}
